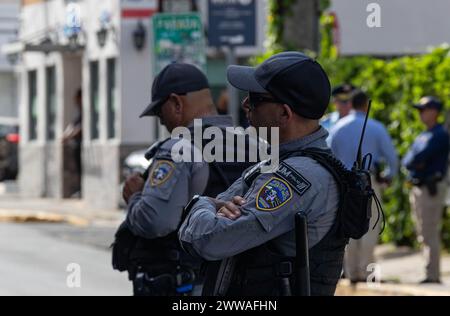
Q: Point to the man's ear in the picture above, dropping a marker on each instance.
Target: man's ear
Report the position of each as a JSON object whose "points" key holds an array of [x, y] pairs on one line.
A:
{"points": [[177, 102], [287, 113]]}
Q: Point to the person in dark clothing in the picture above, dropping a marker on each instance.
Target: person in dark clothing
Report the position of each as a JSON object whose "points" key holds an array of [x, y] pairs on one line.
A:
{"points": [[73, 135], [427, 163]]}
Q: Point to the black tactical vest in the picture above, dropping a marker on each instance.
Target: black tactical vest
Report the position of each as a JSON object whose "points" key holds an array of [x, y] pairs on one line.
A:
{"points": [[161, 255], [262, 271]]}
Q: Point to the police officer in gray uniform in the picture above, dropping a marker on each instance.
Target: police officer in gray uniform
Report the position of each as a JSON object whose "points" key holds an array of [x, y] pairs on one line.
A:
{"points": [[254, 219], [158, 266]]}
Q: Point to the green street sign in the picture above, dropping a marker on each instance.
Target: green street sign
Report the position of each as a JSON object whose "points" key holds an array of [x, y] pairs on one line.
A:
{"points": [[178, 37]]}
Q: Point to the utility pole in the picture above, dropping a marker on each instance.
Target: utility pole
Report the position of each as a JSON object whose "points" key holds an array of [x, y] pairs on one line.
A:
{"points": [[234, 108], [301, 26]]}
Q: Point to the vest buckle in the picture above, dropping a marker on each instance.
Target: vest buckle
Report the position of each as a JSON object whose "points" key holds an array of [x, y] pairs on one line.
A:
{"points": [[284, 269]]}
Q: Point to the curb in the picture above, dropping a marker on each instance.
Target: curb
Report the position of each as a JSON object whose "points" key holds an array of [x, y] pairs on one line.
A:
{"points": [[8, 216], [383, 289]]}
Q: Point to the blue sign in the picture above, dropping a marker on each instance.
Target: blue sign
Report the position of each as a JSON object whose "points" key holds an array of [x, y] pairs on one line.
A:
{"points": [[232, 23]]}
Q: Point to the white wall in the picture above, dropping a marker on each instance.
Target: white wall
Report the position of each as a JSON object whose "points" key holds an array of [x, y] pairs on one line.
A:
{"points": [[408, 26], [8, 100], [136, 82], [37, 18]]}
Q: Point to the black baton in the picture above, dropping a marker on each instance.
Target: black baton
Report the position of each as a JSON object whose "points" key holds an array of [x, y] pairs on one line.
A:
{"points": [[303, 284]]}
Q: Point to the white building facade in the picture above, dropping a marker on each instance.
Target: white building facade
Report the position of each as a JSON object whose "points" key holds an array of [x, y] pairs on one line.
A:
{"points": [[65, 45], [53, 67]]}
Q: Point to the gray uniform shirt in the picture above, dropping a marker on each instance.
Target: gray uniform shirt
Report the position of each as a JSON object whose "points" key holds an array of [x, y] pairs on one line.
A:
{"points": [[156, 211], [272, 201]]}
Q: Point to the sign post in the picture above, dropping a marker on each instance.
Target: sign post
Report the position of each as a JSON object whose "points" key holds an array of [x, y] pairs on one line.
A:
{"points": [[232, 24], [233, 95]]}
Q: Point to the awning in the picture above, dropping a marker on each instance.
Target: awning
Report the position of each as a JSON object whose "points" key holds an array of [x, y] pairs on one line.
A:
{"points": [[15, 48]]}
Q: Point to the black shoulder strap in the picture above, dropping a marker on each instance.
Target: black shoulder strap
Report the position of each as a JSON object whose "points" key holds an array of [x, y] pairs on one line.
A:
{"points": [[151, 152], [334, 166], [213, 165]]}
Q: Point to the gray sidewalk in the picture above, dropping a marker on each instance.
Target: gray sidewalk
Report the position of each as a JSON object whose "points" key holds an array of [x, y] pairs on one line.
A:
{"points": [[401, 271]]}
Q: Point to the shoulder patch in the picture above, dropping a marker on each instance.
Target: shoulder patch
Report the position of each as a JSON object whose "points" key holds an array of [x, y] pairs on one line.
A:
{"points": [[273, 195], [161, 172], [294, 178]]}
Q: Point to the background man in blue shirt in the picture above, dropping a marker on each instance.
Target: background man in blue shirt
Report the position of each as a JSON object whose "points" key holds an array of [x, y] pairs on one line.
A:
{"points": [[342, 99], [344, 140], [427, 162]]}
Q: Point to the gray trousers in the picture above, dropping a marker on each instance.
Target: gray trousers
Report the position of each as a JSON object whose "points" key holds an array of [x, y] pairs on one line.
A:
{"points": [[427, 215], [359, 253]]}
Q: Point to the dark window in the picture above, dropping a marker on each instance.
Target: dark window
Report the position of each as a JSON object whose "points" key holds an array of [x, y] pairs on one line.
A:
{"points": [[94, 98], [32, 104], [51, 102], [111, 98]]}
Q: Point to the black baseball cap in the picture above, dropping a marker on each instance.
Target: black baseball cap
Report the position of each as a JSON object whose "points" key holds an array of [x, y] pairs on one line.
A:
{"points": [[178, 78], [429, 102], [343, 92], [290, 77]]}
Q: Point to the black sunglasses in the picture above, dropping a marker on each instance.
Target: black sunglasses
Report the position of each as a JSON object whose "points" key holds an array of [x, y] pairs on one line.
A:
{"points": [[158, 109], [255, 99]]}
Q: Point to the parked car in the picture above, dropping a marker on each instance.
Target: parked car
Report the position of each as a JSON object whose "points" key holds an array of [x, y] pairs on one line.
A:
{"points": [[134, 163], [9, 141]]}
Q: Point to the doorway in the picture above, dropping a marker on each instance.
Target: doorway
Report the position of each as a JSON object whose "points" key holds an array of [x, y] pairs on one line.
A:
{"points": [[72, 161]]}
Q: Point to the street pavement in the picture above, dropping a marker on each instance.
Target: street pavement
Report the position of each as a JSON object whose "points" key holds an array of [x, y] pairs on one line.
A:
{"points": [[34, 259], [39, 238]]}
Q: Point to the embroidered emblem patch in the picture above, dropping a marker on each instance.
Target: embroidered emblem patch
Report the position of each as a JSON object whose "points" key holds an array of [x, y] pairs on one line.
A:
{"points": [[273, 195], [161, 172]]}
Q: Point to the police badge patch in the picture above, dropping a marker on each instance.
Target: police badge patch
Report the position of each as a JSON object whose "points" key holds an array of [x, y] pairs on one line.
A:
{"points": [[273, 195], [161, 172]]}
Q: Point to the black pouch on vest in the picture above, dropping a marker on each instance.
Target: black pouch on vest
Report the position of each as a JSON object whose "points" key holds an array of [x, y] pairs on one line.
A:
{"points": [[357, 205], [124, 243]]}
